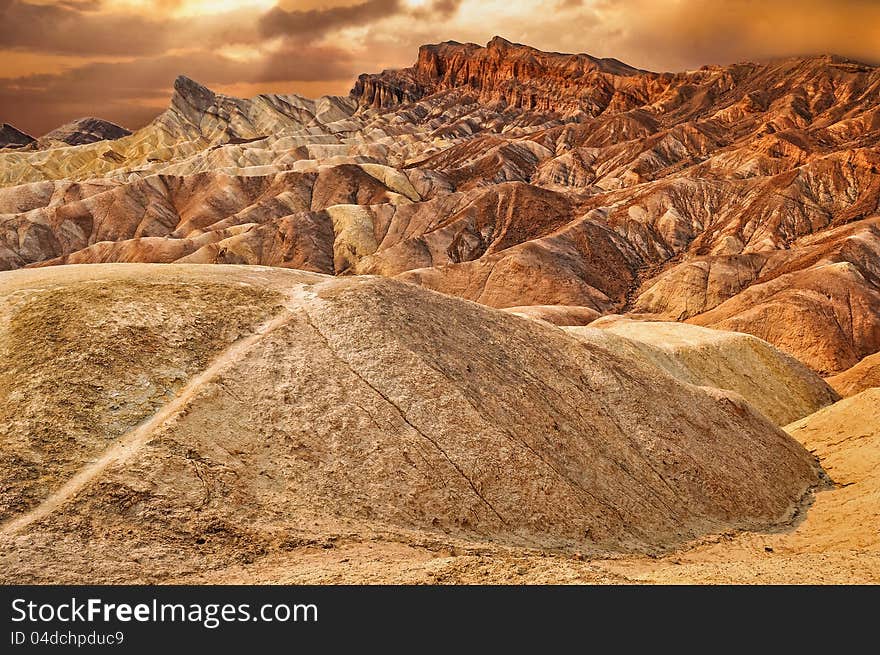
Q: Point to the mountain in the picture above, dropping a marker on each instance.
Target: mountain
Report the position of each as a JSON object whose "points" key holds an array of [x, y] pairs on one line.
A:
{"points": [[11, 137], [80, 132], [681, 259], [503, 73], [742, 197]]}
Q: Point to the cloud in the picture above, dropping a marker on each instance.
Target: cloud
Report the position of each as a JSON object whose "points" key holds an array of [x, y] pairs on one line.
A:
{"points": [[316, 22], [64, 29], [73, 28], [130, 92], [306, 42], [437, 10], [81, 5], [689, 33]]}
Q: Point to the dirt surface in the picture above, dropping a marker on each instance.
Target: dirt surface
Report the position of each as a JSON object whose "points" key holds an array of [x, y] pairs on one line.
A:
{"points": [[350, 419], [834, 540], [85, 362]]}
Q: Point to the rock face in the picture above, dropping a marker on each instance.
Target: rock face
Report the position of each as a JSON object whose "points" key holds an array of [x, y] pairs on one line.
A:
{"points": [[11, 137], [220, 414], [80, 132], [742, 197], [503, 73]]}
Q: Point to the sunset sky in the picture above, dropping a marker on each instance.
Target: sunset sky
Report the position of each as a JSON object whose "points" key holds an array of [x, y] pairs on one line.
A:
{"points": [[117, 59]]}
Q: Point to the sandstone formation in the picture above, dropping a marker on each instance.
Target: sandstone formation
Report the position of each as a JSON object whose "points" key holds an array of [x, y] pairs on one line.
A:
{"points": [[209, 417], [743, 197], [502, 73]]}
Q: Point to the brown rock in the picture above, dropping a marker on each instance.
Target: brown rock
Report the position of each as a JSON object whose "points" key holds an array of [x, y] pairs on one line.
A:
{"points": [[743, 197], [308, 393], [557, 314]]}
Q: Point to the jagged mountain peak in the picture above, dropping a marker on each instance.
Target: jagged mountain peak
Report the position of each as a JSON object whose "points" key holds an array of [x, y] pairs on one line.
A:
{"points": [[191, 98], [197, 112], [499, 42]]}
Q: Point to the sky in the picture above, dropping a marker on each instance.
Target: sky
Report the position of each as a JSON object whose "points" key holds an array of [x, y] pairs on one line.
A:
{"points": [[117, 59]]}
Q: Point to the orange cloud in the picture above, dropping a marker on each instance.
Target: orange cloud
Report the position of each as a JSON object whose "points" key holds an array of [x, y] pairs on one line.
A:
{"points": [[117, 58]]}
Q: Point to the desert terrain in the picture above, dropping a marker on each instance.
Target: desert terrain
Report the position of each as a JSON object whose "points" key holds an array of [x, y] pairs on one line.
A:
{"points": [[504, 316]]}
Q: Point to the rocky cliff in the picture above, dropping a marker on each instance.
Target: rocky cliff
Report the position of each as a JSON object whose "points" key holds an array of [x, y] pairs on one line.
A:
{"points": [[502, 73]]}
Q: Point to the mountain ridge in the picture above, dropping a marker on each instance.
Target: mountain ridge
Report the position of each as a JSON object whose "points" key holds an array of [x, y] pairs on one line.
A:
{"points": [[501, 315], [726, 196]]}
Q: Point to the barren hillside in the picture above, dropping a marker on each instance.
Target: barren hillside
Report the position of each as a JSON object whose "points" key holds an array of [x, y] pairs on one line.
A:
{"points": [[202, 417], [743, 197]]}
